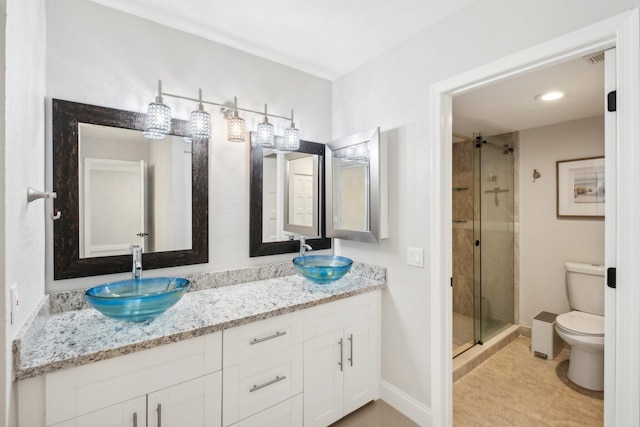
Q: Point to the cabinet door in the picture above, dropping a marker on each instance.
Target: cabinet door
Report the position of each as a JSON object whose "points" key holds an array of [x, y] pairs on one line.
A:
{"points": [[323, 379], [361, 364], [195, 403], [132, 413]]}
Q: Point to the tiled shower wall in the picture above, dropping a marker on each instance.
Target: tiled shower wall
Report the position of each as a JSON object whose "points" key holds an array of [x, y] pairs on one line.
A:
{"points": [[462, 239]]}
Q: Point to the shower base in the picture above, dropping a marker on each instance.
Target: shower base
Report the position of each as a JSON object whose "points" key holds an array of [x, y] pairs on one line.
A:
{"points": [[466, 362]]}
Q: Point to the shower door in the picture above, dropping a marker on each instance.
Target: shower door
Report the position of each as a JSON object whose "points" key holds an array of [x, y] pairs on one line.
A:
{"points": [[493, 236]]}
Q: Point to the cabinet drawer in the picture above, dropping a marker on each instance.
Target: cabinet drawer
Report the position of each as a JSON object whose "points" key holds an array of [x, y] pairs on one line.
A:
{"points": [[257, 339], [285, 414], [257, 384], [325, 318], [83, 389]]}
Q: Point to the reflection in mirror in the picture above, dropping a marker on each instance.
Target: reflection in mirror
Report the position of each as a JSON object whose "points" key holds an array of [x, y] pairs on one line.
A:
{"points": [[287, 195], [351, 190], [290, 196], [132, 191], [353, 175], [301, 187], [101, 178]]}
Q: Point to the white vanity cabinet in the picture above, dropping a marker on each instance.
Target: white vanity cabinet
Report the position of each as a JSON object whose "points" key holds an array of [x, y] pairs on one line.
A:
{"points": [[308, 367], [184, 378], [341, 358]]}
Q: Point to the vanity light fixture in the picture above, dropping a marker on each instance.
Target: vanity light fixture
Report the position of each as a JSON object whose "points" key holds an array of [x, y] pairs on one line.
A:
{"points": [[291, 140], [264, 135], [550, 96], [200, 121], [158, 123], [235, 125]]}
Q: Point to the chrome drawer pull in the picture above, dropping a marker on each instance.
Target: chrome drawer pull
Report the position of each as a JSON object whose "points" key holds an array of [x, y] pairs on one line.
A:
{"points": [[270, 337], [340, 362], [273, 381]]}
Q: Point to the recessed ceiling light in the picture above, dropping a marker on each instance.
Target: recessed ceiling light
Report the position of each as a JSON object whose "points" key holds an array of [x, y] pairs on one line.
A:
{"points": [[550, 96]]}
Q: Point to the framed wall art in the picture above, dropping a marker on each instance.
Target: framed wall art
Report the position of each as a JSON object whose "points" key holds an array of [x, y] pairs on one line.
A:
{"points": [[580, 190]]}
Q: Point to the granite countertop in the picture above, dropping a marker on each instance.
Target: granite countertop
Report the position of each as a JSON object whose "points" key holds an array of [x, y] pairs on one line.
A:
{"points": [[50, 342]]}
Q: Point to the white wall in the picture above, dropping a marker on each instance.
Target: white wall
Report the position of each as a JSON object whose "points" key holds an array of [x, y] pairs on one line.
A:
{"points": [[22, 142], [546, 242], [100, 56], [393, 92]]}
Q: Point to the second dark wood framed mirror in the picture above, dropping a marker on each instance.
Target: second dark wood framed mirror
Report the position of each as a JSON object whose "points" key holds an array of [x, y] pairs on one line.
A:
{"points": [[270, 169]]}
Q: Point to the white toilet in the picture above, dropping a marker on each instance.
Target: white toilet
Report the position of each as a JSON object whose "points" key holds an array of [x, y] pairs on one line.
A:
{"points": [[583, 327]]}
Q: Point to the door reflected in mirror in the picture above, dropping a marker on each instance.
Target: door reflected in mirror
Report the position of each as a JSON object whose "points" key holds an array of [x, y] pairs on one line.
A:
{"points": [[290, 196], [132, 192]]}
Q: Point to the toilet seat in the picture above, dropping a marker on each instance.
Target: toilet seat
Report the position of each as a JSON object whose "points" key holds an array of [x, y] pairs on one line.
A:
{"points": [[581, 323]]}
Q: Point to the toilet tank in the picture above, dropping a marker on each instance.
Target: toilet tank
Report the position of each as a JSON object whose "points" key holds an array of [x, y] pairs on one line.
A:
{"points": [[585, 287]]}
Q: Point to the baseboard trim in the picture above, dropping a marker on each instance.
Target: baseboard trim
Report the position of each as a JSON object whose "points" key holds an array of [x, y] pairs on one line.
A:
{"points": [[407, 405]]}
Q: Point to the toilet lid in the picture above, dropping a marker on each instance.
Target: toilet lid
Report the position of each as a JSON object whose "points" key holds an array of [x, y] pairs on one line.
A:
{"points": [[582, 323]]}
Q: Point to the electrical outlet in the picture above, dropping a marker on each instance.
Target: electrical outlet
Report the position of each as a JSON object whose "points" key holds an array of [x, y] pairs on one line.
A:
{"points": [[15, 302], [415, 257]]}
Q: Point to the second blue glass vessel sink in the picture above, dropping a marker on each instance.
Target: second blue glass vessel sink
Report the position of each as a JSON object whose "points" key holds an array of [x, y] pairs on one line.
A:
{"points": [[136, 300], [322, 269]]}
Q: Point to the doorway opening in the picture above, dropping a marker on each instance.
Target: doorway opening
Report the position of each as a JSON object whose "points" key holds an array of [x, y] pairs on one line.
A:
{"points": [[621, 32]]}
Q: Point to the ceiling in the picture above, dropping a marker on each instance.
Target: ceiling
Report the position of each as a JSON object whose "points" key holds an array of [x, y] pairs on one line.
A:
{"points": [[329, 38], [326, 38], [510, 104]]}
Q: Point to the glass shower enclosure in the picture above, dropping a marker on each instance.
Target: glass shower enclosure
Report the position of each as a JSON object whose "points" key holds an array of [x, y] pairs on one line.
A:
{"points": [[483, 239]]}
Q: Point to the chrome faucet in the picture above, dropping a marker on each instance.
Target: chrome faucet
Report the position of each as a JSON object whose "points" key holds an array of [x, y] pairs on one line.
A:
{"points": [[136, 251], [304, 247]]}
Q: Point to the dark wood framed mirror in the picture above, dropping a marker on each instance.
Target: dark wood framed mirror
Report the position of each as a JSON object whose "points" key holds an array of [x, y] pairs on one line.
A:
{"points": [[258, 246], [69, 261]]}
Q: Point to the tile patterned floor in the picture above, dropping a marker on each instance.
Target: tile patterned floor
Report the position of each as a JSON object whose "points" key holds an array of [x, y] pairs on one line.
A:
{"points": [[513, 388], [375, 414], [510, 389]]}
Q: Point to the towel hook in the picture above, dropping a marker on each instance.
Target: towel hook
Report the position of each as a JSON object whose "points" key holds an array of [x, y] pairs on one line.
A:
{"points": [[536, 175], [33, 194]]}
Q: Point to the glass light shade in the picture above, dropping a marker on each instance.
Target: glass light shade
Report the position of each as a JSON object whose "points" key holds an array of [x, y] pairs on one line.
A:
{"points": [[264, 135], [153, 135], [347, 154], [200, 123], [158, 122], [361, 153], [235, 129], [291, 140]]}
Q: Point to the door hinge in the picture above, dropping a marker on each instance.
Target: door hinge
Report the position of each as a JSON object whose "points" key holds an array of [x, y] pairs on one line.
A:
{"points": [[451, 282], [611, 101], [611, 277]]}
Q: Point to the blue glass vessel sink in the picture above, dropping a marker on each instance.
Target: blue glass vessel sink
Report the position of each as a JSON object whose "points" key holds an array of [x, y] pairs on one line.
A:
{"points": [[136, 300], [322, 269]]}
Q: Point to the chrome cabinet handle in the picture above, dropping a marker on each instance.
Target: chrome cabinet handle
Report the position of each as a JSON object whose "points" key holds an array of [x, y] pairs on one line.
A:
{"points": [[159, 410], [350, 350], [270, 337], [340, 362], [268, 383], [135, 419]]}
